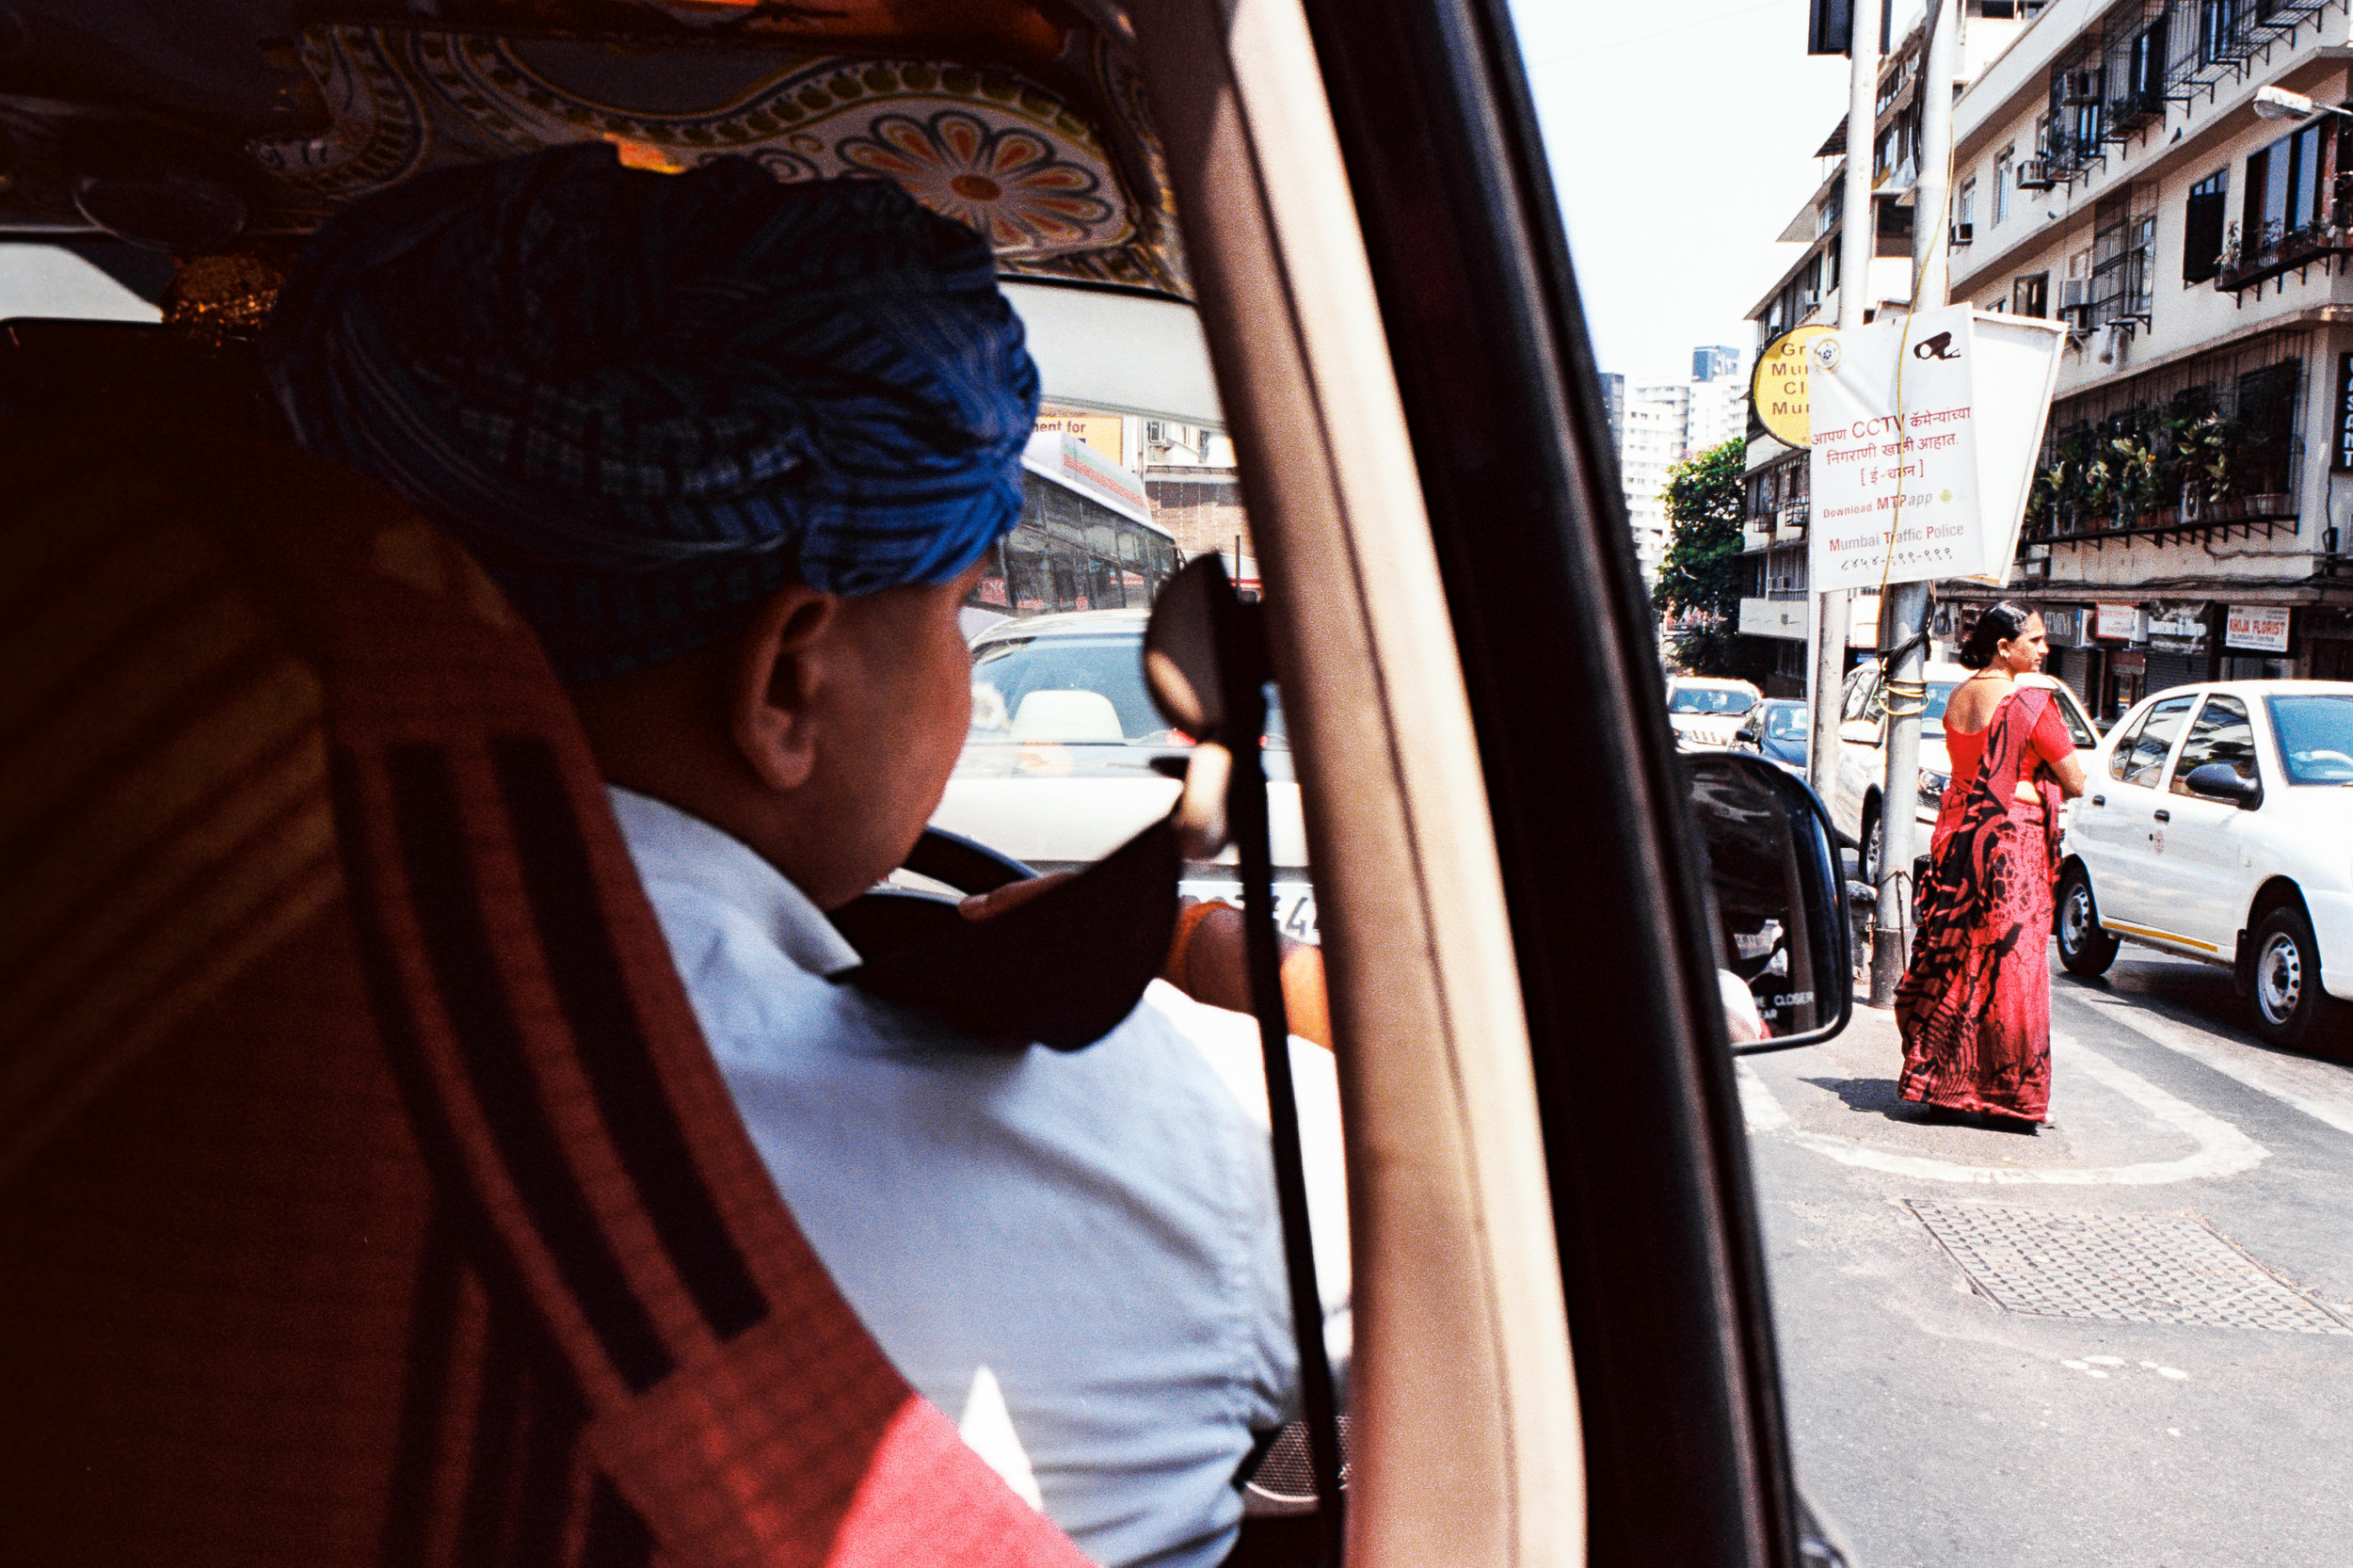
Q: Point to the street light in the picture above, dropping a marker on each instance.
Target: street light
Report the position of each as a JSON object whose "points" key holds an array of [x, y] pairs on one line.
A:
{"points": [[2279, 103]]}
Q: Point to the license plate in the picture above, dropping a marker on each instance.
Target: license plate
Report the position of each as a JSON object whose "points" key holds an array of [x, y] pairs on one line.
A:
{"points": [[1294, 905]]}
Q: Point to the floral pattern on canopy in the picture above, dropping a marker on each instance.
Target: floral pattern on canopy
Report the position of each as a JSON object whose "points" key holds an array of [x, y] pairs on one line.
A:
{"points": [[983, 145]]}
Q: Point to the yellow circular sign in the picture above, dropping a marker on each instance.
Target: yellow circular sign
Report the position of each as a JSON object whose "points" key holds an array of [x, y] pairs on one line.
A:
{"points": [[1777, 386]]}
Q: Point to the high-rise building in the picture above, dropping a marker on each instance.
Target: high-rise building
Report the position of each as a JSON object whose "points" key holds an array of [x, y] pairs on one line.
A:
{"points": [[1614, 404], [1658, 427], [1716, 362]]}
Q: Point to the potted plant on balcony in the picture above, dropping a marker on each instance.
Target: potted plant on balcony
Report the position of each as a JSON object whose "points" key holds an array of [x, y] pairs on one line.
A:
{"points": [[2226, 264], [2133, 480]]}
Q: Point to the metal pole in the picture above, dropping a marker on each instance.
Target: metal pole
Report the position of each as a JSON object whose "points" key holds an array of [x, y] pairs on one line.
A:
{"points": [[1858, 236], [1908, 603]]}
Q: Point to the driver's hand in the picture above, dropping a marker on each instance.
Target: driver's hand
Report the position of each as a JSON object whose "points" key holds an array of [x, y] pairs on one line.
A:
{"points": [[1210, 963], [982, 906]]}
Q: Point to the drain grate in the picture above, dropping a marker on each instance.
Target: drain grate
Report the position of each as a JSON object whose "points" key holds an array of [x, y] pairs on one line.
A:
{"points": [[2116, 1268]]}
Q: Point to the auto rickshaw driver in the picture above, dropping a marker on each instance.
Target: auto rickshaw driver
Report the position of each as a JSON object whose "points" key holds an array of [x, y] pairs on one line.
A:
{"points": [[732, 447]]}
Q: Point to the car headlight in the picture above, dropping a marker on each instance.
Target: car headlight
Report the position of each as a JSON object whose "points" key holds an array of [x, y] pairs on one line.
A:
{"points": [[1933, 784]]}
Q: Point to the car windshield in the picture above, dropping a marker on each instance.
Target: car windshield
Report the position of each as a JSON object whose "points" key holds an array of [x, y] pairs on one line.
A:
{"points": [[1708, 699], [1933, 716], [2315, 738], [1074, 689], [1940, 691], [1785, 724]]}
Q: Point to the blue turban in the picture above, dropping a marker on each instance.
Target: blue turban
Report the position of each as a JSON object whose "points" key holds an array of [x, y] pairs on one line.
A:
{"points": [[646, 400]]}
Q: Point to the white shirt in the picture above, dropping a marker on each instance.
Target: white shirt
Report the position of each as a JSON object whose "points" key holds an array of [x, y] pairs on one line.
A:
{"points": [[1076, 1255]]}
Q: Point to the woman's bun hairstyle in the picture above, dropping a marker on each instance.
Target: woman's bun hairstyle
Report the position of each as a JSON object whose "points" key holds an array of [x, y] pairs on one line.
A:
{"points": [[1995, 624]]}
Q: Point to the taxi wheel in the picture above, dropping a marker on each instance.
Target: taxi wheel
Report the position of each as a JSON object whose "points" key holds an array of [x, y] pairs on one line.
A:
{"points": [[1874, 843], [2084, 948], [2291, 1009]]}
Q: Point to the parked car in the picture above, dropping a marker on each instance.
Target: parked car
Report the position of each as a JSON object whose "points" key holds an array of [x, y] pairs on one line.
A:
{"points": [[1704, 711], [1067, 759], [2218, 824], [1855, 788], [1775, 727]]}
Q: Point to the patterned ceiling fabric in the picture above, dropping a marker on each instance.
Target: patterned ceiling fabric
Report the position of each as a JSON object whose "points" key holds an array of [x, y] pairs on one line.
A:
{"points": [[988, 147], [424, 1230]]}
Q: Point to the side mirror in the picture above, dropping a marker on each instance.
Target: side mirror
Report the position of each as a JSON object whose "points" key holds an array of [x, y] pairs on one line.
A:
{"points": [[1777, 897], [1861, 731], [2222, 781]]}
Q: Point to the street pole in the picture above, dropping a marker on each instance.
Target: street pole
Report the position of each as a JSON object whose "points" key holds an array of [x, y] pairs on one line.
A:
{"points": [[1858, 236], [1908, 603]]}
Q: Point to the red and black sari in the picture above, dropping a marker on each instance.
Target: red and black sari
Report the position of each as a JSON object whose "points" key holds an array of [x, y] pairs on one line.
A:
{"points": [[1974, 1004]]}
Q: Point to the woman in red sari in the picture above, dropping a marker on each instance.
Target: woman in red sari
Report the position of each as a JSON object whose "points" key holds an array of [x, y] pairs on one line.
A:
{"points": [[1975, 1005]]}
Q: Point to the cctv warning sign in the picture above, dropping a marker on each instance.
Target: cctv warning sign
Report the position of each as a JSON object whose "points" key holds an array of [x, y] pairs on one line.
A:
{"points": [[1924, 435]]}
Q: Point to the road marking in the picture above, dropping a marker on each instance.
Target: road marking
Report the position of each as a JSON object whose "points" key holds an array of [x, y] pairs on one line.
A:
{"points": [[2222, 1150], [1757, 1106], [2160, 1030]]}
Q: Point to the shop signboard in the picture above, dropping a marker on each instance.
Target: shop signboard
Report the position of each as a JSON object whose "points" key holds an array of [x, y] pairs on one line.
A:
{"points": [[1777, 387], [2065, 627], [2178, 629], [2117, 622], [1785, 619], [1793, 619], [1923, 433], [2344, 411], [2263, 628], [1105, 433]]}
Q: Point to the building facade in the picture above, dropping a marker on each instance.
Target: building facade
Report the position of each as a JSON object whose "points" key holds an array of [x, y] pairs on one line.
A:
{"points": [[2111, 169], [2196, 485]]}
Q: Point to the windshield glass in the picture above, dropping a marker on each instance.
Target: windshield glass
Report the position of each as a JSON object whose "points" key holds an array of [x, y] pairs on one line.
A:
{"points": [[1785, 724], [2315, 738], [1705, 699], [1083, 690]]}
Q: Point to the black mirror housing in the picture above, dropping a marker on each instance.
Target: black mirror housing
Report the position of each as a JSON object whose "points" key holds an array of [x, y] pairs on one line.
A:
{"points": [[1777, 895], [2222, 781]]}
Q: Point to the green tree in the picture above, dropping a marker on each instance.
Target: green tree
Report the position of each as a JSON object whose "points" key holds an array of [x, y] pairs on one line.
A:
{"points": [[1705, 496]]}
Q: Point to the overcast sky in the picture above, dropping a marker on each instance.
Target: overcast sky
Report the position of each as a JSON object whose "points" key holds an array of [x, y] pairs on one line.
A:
{"points": [[1682, 141]]}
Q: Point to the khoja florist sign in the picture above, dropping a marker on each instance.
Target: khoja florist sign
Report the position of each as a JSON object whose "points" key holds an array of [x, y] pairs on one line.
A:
{"points": [[1924, 432], [2263, 628]]}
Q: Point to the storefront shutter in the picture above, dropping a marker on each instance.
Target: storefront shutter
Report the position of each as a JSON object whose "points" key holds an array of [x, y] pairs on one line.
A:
{"points": [[2168, 670]]}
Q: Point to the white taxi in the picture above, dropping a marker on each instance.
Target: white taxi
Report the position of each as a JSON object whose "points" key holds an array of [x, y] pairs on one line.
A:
{"points": [[1705, 711], [2218, 823]]}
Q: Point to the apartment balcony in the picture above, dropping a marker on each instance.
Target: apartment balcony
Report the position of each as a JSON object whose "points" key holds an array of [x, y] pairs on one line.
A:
{"points": [[2239, 516], [1793, 518], [1755, 535], [2274, 252]]}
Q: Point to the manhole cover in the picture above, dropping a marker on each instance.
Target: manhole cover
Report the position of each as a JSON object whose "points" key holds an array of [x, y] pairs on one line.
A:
{"points": [[2116, 1267]]}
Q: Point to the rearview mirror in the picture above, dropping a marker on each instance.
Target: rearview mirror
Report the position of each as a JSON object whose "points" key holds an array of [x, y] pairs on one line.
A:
{"points": [[2222, 781], [1776, 897]]}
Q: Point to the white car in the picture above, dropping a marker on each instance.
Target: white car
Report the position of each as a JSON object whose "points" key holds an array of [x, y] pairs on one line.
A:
{"points": [[1705, 711], [1067, 759], [2218, 823], [1856, 786]]}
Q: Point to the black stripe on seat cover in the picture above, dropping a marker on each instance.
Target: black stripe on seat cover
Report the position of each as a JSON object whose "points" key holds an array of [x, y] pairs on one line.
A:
{"points": [[586, 973], [443, 890]]}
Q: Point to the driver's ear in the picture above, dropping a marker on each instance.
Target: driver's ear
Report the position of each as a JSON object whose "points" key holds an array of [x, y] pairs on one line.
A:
{"points": [[781, 670]]}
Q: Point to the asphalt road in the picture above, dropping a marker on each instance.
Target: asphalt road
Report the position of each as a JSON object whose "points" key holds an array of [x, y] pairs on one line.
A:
{"points": [[2134, 1343]]}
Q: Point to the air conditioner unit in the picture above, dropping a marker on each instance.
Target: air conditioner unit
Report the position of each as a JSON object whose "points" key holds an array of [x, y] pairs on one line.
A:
{"points": [[2074, 293], [1965, 232], [2034, 174]]}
